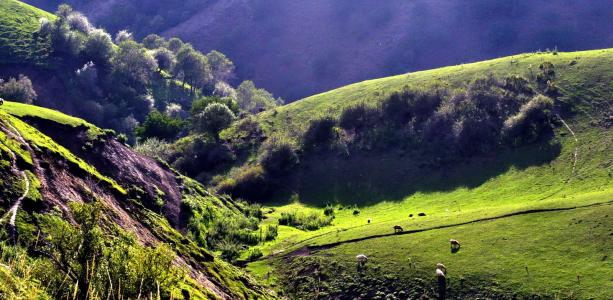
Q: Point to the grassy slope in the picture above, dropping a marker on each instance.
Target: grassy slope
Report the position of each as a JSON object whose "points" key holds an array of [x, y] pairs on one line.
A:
{"points": [[595, 64], [18, 44], [486, 187], [10, 113]]}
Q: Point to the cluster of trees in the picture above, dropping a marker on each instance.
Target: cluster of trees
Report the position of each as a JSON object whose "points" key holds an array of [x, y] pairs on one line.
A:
{"points": [[19, 89], [440, 126], [146, 89]]}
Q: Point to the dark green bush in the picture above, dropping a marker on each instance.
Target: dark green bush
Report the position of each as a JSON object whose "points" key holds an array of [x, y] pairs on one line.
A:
{"points": [[532, 119], [320, 134], [278, 157], [248, 183], [272, 231], [159, 125], [358, 117], [305, 221], [255, 254]]}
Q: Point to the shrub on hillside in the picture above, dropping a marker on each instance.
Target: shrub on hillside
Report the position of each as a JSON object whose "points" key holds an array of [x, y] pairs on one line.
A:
{"points": [[320, 134], [305, 221], [272, 231], [19, 90], [246, 183], [159, 125], [200, 104], [155, 148], [174, 44], [122, 36], [98, 47], [78, 22], [213, 119], [532, 119], [153, 41], [201, 153], [79, 259], [358, 117], [247, 134], [402, 107], [278, 157], [253, 99]]}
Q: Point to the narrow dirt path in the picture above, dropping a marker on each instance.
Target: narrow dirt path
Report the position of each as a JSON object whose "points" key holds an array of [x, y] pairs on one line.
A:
{"points": [[576, 146], [15, 134], [518, 213]]}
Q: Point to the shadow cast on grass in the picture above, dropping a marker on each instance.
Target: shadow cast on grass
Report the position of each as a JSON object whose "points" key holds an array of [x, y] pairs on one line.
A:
{"points": [[366, 179]]}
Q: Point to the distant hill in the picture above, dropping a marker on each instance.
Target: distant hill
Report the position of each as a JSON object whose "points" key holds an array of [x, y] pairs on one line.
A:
{"points": [[297, 48]]}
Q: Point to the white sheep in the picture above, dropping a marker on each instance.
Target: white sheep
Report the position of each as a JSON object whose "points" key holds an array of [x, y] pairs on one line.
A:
{"points": [[361, 258], [1, 101], [455, 245], [440, 266]]}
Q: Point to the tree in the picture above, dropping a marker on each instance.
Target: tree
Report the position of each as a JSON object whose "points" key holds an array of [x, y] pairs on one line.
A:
{"points": [[165, 59], [221, 67], [192, 67], [214, 119], [199, 105], [122, 36], [252, 99], [174, 44], [153, 41], [98, 47], [78, 22], [133, 63], [19, 90]]}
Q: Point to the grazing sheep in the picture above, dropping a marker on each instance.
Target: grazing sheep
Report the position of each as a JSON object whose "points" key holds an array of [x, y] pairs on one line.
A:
{"points": [[441, 267], [1, 101], [362, 259], [441, 274], [397, 229], [455, 245]]}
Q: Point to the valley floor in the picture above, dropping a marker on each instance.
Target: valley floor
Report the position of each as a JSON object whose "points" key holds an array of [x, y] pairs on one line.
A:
{"points": [[543, 229]]}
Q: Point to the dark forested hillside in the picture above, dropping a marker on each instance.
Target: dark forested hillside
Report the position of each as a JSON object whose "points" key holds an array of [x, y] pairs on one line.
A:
{"points": [[296, 48]]}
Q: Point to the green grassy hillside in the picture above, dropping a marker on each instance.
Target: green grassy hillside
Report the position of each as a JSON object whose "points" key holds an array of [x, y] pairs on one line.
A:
{"points": [[18, 41], [57, 174], [544, 207], [584, 77]]}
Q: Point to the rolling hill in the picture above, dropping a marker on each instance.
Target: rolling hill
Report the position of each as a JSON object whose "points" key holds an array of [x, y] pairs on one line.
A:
{"points": [[298, 48], [533, 221]]}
